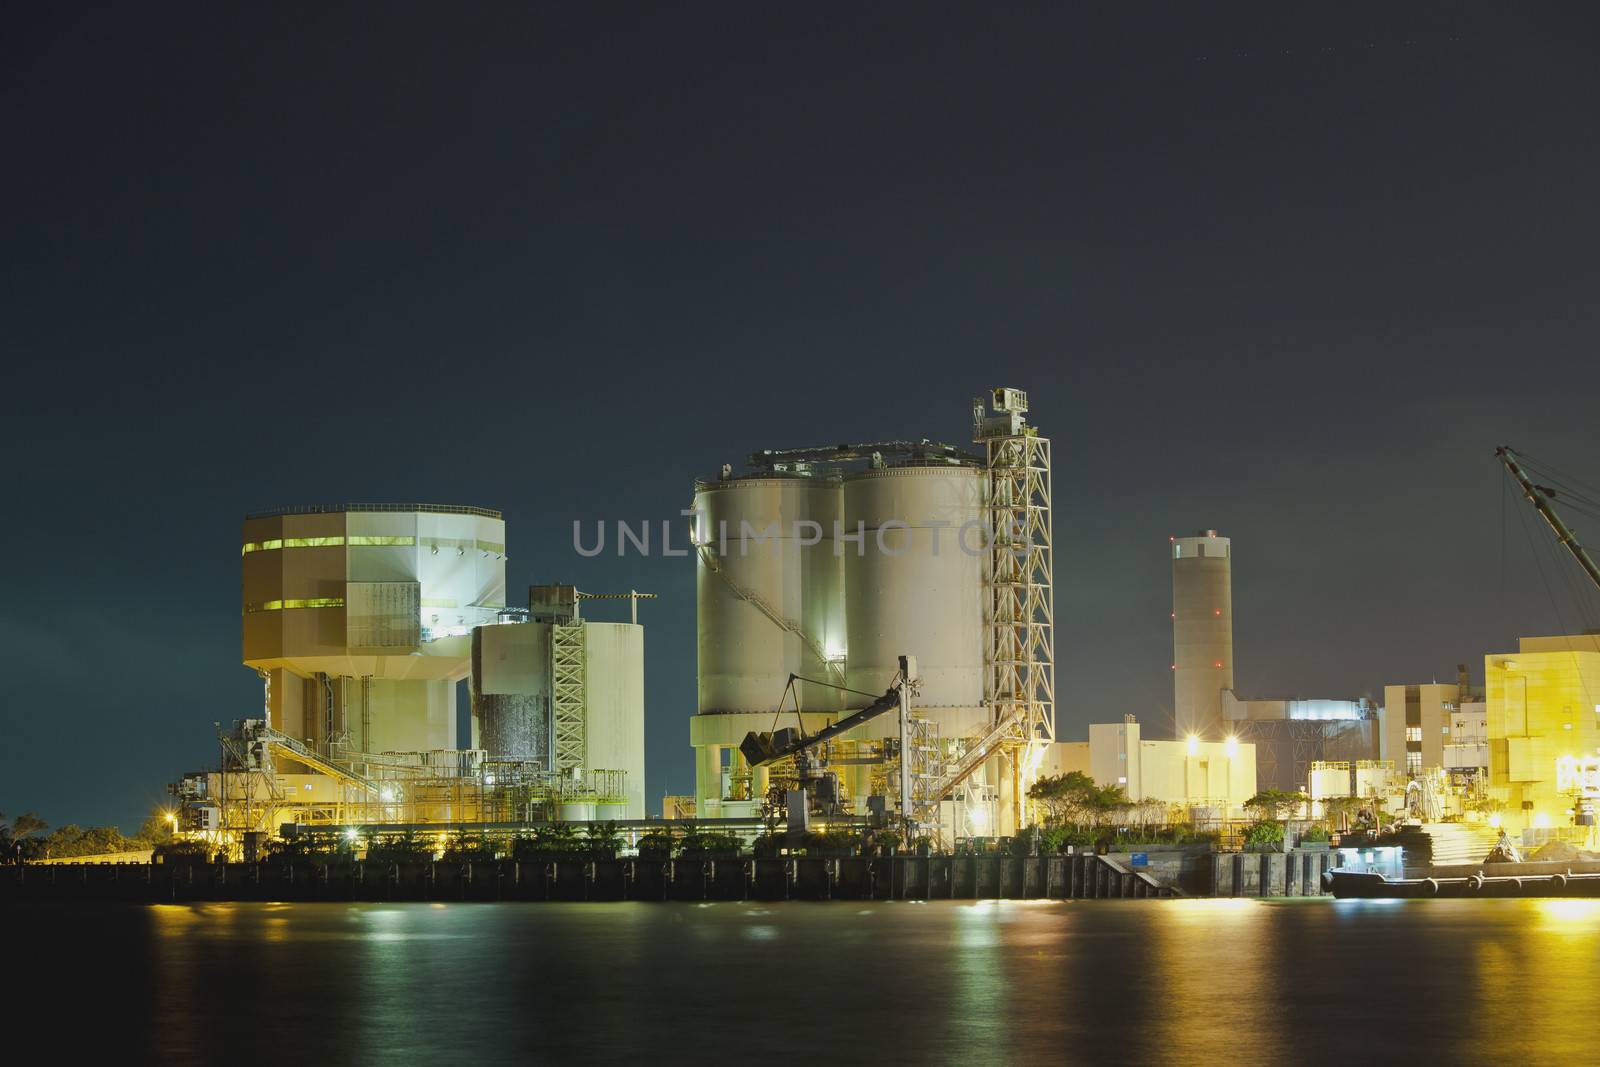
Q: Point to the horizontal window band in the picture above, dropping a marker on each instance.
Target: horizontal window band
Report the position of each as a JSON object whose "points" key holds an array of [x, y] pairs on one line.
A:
{"points": [[289, 605], [369, 541]]}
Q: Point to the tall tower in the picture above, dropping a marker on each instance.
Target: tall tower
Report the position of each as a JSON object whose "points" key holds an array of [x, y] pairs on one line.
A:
{"points": [[1202, 632]]}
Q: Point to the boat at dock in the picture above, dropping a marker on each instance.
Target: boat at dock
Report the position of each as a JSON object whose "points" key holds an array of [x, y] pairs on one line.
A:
{"points": [[1507, 880]]}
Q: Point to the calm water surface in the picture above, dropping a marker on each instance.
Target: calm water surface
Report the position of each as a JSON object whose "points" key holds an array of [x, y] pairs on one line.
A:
{"points": [[1188, 981]]}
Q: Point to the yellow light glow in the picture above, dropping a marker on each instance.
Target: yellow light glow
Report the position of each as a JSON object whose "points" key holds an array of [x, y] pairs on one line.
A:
{"points": [[1194, 745], [1494, 821], [1542, 821]]}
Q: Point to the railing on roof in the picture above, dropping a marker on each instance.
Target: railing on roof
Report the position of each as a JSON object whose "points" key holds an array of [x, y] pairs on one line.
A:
{"points": [[333, 509]]}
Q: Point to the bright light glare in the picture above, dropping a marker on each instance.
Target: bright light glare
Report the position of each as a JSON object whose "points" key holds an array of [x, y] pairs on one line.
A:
{"points": [[350, 834], [1233, 746], [1194, 745], [1542, 821], [1494, 821]]}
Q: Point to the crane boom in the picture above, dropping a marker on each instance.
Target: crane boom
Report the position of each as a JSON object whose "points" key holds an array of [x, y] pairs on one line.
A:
{"points": [[760, 749], [1539, 496]]}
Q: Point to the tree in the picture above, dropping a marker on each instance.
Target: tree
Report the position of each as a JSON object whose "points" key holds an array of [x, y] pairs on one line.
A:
{"points": [[72, 840], [1275, 803], [17, 840], [154, 830], [1074, 799]]}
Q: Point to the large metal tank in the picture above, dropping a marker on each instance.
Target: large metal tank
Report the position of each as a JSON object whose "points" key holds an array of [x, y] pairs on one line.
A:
{"points": [[511, 698], [510, 690], [770, 591], [914, 584]]}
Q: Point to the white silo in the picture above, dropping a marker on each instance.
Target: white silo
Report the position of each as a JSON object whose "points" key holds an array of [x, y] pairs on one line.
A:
{"points": [[512, 691], [1202, 632], [914, 583], [769, 603]]}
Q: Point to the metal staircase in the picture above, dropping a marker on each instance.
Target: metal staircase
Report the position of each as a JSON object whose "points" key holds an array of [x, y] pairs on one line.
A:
{"points": [[281, 744], [1005, 731]]}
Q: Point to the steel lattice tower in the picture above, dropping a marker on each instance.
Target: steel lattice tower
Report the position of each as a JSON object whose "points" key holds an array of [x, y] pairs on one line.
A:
{"points": [[1020, 617]]}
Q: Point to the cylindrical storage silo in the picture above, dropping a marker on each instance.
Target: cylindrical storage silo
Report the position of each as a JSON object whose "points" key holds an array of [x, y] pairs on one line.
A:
{"points": [[610, 811], [510, 690], [769, 598], [576, 811], [914, 584]]}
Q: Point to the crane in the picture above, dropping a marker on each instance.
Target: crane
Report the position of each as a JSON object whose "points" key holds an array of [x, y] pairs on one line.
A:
{"points": [[1540, 496], [761, 748]]}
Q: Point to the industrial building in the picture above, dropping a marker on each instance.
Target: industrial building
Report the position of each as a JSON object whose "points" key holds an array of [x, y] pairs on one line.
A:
{"points": [[566, 693], [1437, 726], [362, 620], [1289, 735], [1210, 780], [819, 568], [1543, 725], [358, 618]]}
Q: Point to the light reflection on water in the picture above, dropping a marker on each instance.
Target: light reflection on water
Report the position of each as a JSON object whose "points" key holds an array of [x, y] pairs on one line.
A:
{"points": [[1227, 981]]}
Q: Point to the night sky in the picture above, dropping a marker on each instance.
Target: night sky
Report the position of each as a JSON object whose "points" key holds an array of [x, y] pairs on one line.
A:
{"points": [[1290, 271]]}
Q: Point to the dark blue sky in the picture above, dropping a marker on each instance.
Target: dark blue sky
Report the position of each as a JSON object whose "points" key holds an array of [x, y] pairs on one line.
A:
{"points": [[1288, 271]]}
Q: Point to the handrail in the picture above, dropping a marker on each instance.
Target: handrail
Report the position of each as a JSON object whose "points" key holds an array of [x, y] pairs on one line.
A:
{"points": [[333, 509], [976, 755], [299, 752]]}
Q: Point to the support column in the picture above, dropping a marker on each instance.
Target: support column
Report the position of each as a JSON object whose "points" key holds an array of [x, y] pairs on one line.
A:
{"points": [[1008, 813], [707, 778]]}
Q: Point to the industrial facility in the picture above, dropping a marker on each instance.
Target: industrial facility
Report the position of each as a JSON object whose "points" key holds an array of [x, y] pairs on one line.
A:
{"points": [[361, 620], [835, 584], [1289, 735], [823, 571]]}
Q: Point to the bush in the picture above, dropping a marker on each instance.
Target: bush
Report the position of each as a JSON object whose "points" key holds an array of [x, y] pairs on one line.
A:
{"points": [[477, 850], [603, 836], [552, 839], [1126, 839], [656, 845], [1264, 836], [182, 852], [831, 841], [408, 848], [701, 842], [1316, 835]]}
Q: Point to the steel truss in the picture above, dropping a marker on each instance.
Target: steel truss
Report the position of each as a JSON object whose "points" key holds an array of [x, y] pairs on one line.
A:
{"points": [[569, 699]]}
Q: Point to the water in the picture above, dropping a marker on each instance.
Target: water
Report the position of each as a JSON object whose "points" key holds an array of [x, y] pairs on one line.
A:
{"points": [[1186, 981]]}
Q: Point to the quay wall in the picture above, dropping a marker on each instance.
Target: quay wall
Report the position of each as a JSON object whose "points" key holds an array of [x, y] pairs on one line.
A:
{"points": [[1074, 877]]}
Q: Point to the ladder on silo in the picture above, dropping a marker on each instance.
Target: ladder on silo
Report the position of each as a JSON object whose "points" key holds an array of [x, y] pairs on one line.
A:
{"points": [[569, 697]]}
